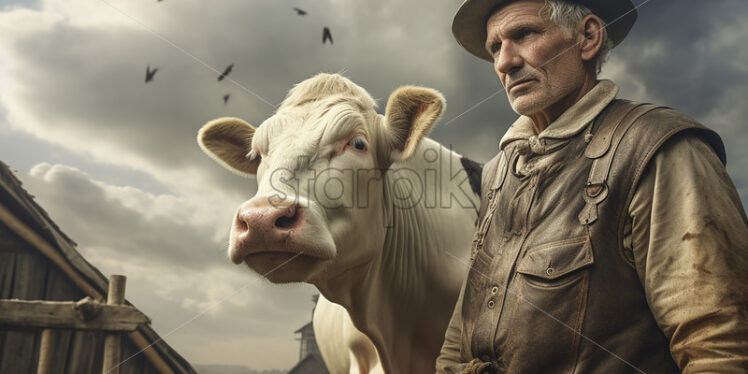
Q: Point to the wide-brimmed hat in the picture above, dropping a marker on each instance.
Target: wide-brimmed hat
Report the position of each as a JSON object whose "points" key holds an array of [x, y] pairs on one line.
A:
{"points": [[469, 24]]}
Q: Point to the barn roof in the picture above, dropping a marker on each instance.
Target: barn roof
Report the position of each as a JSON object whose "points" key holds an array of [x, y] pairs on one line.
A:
{"points": [[311, 364], [34, 225], [307, 327]]}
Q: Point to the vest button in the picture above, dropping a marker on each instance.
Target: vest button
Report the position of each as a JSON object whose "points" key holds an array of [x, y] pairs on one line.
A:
{"points": [[495, 290], [491, 304], [549, 271]]}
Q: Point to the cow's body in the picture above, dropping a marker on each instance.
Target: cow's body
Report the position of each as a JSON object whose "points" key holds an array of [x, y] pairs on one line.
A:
{"points": [[403, 297], [386, 245]]}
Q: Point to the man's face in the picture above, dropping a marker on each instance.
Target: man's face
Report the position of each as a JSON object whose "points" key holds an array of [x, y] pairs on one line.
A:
{"points": [[537, 61]]}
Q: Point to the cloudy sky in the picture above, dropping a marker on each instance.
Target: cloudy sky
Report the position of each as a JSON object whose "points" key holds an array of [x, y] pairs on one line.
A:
{"points": [[114, 160]]}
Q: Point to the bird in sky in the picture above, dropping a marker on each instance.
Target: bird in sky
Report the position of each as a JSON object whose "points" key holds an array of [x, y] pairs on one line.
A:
{"points": [[149, 73], [326, 35], [226, 72], [226, 98], [300, 12]]}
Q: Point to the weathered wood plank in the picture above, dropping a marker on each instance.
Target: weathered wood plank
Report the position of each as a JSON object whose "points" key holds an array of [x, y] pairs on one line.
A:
{"points": [[81, 357], [7, 268], [61, 288], [62, 314], [149, 369], [20, 349], [7, 271], [133, 360], [51, 253], [98, 357], [10, 242], [18, 352], [28, 278], [62, 340]]}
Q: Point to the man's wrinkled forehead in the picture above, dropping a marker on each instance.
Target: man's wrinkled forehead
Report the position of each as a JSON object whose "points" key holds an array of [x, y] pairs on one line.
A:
{"points": [[513, 15]]}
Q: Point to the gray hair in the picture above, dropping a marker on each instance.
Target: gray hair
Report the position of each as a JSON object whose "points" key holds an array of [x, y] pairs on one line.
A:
{"points": [[568, 15]]}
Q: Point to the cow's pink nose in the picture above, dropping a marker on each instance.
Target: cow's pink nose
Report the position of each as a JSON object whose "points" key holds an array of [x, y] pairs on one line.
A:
{"points": [[262, 228]]}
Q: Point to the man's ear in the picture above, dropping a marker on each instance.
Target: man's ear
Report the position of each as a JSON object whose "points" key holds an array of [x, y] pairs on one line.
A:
{"points": [[591, 28], [228, 141], [410, 113]]}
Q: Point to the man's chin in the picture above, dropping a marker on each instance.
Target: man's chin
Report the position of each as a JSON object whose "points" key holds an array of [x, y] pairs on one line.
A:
{"points": [[525, 105]]}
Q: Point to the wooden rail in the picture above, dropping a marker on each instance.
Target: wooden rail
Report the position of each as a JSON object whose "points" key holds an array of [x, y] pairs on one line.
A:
{"points": [[70, 315]]}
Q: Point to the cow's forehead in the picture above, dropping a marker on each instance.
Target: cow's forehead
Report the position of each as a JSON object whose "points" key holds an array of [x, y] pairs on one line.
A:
{"points": [[313, 124], [323, 86]]}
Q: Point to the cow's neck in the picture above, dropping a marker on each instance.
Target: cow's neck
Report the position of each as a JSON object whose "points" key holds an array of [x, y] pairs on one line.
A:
{"points": [[413, 283]]}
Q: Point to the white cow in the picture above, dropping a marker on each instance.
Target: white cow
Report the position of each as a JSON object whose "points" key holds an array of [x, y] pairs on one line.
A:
{"points": [[362, 206]]}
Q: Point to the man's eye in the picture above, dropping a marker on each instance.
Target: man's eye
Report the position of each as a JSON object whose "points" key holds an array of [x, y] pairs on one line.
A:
{"points": [[495, 47], [358, 143], [524, 32]]}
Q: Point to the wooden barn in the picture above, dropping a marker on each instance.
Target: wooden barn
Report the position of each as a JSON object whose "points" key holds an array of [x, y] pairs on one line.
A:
{"points": [[62, 332]]}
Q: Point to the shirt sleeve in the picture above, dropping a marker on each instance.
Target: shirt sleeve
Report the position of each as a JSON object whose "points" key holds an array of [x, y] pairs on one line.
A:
{"points": [[450, 356], [689, 238]]}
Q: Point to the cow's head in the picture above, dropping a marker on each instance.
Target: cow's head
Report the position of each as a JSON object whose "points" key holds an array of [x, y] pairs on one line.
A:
{"points": [[319, 163]]}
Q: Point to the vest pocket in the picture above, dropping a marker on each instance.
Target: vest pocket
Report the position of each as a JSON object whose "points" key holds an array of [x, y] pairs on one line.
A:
{"points": [[554, 263], [548, 301]]}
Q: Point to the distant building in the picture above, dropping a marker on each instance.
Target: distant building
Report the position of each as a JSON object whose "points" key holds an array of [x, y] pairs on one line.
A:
{"points": [[308, 342], [310, 360]]}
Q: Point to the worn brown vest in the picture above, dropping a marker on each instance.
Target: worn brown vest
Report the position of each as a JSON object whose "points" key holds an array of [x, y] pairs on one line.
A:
{"points": [[552, 289]]}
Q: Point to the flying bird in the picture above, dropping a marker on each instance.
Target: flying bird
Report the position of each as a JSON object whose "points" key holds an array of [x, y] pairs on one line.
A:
{"points": [[300, 12], [226, 72], [149, 73], [326, 35], [226, 98]]}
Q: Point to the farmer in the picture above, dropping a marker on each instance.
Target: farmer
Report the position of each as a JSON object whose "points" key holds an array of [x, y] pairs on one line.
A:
{"points": [[611, 238]]}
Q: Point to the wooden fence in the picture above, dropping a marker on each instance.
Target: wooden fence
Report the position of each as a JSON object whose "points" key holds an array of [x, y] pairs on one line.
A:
{"points": [[113, 317]]}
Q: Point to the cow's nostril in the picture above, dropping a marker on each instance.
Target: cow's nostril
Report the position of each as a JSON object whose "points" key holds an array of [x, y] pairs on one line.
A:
{"points": [[241, 225], [288, 220]]}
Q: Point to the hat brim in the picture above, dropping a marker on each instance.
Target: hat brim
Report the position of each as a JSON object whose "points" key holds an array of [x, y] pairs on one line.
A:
{"points": [[469, 24]]}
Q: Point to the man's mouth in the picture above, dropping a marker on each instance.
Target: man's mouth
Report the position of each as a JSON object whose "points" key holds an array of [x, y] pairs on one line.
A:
{"points": [[519, 83]]}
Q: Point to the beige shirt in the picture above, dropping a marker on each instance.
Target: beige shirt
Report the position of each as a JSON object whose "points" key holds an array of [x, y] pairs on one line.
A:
{"points": [[688, 234]]}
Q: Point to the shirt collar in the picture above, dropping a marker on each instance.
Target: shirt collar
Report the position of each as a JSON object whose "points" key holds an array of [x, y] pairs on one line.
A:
{"points": [[570, 122]]}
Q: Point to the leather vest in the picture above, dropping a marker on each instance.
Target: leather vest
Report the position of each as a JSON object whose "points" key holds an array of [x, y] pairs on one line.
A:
{"points": [[551, 288]]}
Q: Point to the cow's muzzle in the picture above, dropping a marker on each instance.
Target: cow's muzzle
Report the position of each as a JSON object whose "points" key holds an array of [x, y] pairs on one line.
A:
{"points": [[264, 227]]}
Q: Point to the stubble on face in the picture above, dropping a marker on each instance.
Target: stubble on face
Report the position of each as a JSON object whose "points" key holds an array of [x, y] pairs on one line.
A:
{"points": [[536, 60]]}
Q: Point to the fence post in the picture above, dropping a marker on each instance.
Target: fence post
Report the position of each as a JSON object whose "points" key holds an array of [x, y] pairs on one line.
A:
{"points": [[46, 350], [112, 340]]}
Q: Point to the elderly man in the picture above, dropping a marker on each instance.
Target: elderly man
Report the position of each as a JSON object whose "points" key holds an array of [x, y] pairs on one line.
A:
{"points": [[611, 238]]}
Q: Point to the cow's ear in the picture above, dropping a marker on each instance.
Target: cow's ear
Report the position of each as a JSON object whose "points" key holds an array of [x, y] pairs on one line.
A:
{"points": [[410, 113], [228, 141]]}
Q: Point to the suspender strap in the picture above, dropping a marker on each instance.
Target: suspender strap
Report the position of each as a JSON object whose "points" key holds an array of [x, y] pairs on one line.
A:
{"points": [[492, 196], [612, 126]]}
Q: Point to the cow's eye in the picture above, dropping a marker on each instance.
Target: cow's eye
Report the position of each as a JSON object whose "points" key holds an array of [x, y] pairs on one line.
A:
{"points": [[358, 143]]}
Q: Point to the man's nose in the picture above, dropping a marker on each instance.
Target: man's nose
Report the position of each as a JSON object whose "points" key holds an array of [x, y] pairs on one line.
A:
{"points": [[508, 60]]}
